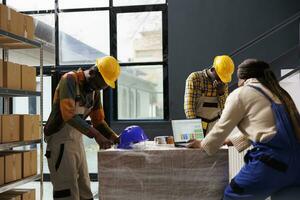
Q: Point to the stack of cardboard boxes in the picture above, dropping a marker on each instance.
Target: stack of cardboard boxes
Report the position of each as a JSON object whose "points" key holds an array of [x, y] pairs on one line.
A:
{"points": [[15, 76], [15, 165], [16, 23], [14, 128]]}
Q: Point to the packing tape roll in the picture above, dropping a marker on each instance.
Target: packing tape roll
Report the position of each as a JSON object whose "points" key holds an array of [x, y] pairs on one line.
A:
{"points": [[164, 140]]}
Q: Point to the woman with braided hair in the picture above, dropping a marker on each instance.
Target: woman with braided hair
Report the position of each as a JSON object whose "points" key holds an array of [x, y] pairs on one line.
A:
{"points": [[268, 119]]}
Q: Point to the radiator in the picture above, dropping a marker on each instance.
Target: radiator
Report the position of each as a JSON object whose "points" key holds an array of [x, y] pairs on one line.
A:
{"points": [[236, 161]]}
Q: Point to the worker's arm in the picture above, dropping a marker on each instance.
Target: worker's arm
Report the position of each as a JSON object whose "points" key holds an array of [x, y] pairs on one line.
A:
{"points": [[67, 95], [222, 98], [190, 97], [98, 122], [232, 114]]}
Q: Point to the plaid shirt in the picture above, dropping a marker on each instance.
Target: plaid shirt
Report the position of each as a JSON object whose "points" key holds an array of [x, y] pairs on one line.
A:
{"points": [[198, 84], [64, 102]]}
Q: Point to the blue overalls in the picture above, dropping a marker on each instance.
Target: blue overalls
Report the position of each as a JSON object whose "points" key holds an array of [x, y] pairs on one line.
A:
{"points": [[269, 167]]}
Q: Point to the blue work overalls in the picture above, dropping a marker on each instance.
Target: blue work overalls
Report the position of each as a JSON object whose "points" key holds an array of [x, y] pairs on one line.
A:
{"points": [[269, 167]]}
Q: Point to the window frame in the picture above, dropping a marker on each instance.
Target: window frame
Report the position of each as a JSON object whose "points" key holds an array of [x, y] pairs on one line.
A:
{"points": [[110, 96], [113, 107]]}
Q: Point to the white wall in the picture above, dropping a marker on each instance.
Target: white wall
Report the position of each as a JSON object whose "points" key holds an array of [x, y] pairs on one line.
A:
{"points": [[291, 85]]}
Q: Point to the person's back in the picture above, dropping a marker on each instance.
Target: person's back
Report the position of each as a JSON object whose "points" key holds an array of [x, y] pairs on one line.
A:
{"points": [[257, 121], [269, 121]]}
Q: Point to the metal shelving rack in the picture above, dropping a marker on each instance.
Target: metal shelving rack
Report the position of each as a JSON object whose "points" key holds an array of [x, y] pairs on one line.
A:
{"points": [[11, 41]]}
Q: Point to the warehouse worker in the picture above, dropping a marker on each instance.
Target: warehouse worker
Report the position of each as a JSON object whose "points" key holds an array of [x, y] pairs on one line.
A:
{"points": [[77, 96], [207, 90], [268, 119]]}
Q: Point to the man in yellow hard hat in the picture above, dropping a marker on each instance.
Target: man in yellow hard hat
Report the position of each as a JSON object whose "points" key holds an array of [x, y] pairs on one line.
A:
{"points": [[76, 97], [207, 90]]}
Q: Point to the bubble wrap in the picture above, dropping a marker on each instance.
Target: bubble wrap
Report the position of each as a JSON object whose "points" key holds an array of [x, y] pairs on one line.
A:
{"points": [[162, 173]]}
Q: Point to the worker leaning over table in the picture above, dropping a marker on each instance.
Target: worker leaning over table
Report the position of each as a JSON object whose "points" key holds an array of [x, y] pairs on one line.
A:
{"points": [[268, 119], [76, 97], [207, 90]]}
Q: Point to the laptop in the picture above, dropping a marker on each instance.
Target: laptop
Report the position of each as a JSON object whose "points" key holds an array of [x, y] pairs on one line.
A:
{"points": [[185, 130]]}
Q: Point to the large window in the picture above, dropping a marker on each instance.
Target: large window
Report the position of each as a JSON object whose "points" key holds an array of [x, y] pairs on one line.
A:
{"points": [[78, 32]]}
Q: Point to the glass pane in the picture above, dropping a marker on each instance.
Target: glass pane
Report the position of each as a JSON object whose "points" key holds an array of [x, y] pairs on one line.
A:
{"points": [[30, 5], [137, 2], [91, 149], [139, 36], [68, 4], [31, 105], [44, 30], [140, 93], [83, 37]]}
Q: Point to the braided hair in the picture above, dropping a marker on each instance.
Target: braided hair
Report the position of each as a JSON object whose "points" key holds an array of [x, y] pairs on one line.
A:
{"points": [[252, 68]]}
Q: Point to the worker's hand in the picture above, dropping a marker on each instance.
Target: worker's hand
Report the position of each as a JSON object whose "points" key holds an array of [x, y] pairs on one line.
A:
{"points": [[103, 142], [114, 138], [194, 144], [228, 142]]}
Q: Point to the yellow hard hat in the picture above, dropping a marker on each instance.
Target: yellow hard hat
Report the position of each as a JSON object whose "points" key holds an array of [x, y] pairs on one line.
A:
{"points": [[224, 67], [109, 68]]}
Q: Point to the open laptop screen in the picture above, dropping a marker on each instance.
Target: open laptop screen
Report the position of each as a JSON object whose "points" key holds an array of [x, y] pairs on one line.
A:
{"points": [[187, 129]]}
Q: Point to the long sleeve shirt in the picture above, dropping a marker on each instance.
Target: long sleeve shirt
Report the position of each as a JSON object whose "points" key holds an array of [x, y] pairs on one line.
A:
{"points": [[251, 112], [64, 106], [198, 84]]}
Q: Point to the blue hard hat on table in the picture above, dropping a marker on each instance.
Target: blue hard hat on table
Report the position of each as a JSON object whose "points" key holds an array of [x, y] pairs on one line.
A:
{"points": [[131, 135]]}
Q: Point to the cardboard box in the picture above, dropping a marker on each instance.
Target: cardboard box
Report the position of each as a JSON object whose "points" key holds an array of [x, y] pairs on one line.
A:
{"points": [[26, 164], [30, 127], [1, 73], [12, 20], [13, 167], [29, 27], [3, 19], [20, 21], [11, 75], [15, 22], [29, 163], [28, 78], [26, 194], [1, 170], [34, 161], [10, 128]]}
